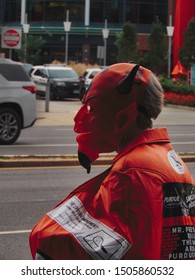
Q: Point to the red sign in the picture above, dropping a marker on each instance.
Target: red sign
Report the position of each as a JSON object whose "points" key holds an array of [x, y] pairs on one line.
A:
{"points": [[11, 38]]}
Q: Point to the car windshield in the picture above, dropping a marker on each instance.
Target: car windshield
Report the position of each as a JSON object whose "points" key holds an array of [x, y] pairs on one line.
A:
{"points": [[92, 75], [62, 73]]}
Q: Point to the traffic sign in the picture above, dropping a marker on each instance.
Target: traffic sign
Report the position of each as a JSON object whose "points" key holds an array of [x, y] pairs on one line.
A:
{"points": [[11, 38]]}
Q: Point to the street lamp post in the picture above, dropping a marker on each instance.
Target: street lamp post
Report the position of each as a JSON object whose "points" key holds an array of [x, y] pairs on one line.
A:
{"points": [[67, 25], [25, 30], [170, 30], [105, 32]]}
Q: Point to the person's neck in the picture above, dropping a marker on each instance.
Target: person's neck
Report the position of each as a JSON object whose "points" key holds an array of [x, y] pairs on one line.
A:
{"points": [[132, 133]]}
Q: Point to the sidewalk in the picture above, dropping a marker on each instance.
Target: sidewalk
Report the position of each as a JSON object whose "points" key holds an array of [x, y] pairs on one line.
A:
{"points": [[61, 114]]}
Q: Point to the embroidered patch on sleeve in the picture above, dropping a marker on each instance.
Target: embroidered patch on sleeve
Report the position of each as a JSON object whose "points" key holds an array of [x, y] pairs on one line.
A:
{"points": [[100, 241], [178, 199], [175, 162]]}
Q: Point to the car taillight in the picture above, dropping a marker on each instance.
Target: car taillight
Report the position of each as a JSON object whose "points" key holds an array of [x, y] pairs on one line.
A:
{"points": [[32, 89]]}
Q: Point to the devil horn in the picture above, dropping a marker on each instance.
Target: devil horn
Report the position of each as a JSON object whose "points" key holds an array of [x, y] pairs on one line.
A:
{"points": [[125, 85]]}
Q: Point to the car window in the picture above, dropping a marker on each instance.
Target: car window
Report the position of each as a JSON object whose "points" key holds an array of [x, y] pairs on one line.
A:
{"points": [[92, 75], [44, 73], [13, 72], [38, 72], [41, 73], [59, 73]]}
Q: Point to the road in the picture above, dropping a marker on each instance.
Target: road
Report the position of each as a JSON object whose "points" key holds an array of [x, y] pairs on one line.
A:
{"points": [[28, 193], [53, 132], [43, 140], [60, 140]]}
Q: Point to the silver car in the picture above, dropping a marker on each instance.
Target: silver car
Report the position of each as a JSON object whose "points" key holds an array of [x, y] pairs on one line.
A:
{"points": [[17, 101]]}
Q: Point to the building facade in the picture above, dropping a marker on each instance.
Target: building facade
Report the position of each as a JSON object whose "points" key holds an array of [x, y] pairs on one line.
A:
{"points": [[88, 18], [87, 21]]}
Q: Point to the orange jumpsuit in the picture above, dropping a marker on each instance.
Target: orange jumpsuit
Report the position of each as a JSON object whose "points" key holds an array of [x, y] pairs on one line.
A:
{"points": [[142, 207]]}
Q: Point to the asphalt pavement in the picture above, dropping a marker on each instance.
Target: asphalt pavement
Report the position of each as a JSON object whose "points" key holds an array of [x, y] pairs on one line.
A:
{"points": [[59, 113]]}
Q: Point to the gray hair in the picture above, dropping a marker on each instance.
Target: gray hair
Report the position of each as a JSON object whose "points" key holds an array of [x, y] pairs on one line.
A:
{"points": [[151, 104]]}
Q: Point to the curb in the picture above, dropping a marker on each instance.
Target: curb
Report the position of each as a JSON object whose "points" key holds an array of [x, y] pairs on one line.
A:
{"points": [[180, 107], [47, 161], [70, 160]]}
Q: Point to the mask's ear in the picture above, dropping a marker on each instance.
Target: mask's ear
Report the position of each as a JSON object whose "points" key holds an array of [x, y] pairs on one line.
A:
{"points": [[125, 85], [125, 118]]}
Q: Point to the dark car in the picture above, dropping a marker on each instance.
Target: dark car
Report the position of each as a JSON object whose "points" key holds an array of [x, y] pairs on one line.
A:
{"points": [[64, 81]]}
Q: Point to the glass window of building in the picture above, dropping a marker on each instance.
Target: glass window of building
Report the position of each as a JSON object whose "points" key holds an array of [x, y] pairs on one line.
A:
{"points": [[132, 11], [45, 10], [150, 9], [101, 10], [76, 10], [54, 11], [161, 12], [145, 11], [112, 11], [97, 11], [141, 12], [35, 10], [12, 11]]}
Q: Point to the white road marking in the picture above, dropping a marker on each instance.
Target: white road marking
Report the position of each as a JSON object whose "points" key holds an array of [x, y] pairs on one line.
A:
{"points": [[180, 134], [41, 145], [182, 143], [64, 129], [15, 232]]}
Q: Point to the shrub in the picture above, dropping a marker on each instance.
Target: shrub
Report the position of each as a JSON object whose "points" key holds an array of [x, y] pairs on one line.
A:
{"points": [[178, 86], [79, 68], [179, 99]]}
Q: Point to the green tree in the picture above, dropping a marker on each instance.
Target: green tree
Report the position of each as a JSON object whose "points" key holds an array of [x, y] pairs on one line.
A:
{"points": [[31, 48], [187, 52], [155, 58], [126, 43]]}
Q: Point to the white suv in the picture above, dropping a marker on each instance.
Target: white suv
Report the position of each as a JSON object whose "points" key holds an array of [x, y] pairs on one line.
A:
{"points": [[64, 81], [17, 101], [86, 80]]}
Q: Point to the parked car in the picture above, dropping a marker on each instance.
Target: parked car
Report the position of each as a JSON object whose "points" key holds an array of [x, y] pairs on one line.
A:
{"points": [[85, 80], [64, 81], [17, 101], [27, 67]]}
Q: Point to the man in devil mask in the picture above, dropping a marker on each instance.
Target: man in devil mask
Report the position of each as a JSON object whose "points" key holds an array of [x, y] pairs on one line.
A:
{"points": [[143, 206]]}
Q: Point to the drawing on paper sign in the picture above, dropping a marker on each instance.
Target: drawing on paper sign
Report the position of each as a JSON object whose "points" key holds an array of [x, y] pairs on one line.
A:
{"points": [[100, 241], [104, 244]]}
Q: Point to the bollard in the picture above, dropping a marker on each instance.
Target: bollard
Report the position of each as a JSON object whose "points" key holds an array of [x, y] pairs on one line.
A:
{"points": [[47, 96]]}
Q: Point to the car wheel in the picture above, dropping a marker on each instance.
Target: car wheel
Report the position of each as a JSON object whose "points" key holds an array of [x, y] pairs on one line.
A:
{"points": [[10, 126]]}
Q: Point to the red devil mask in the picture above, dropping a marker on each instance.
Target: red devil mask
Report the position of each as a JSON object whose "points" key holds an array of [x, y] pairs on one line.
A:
{"points": [[116, 90]]}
